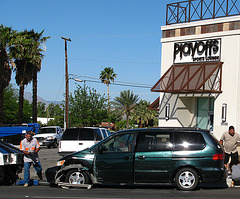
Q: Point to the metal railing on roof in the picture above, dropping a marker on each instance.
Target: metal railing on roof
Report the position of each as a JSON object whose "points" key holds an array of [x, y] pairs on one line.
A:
{"points": [[196, 10]]}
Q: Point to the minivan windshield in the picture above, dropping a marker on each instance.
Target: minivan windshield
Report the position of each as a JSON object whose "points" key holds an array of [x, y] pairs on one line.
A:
{"points": [[101, 142], [47, 130]]}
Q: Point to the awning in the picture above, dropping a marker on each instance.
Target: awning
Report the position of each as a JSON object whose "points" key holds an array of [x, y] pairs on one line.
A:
{"points": [[191, 78], [155, 105]]}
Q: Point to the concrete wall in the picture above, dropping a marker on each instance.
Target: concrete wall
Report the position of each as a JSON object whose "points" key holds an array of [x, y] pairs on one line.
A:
{"points": [[186, 111], [230, 86]]}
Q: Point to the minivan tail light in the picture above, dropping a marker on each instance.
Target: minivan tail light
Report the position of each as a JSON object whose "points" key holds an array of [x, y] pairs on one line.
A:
{"points": [[218, 156]]}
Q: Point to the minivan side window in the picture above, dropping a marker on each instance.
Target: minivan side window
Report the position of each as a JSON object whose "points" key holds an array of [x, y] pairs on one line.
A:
{"points": [[154, 141], [120, 143], [188, 141]]}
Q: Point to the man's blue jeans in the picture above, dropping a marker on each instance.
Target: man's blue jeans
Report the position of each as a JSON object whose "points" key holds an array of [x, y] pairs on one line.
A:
{"points": [[37, 166]]}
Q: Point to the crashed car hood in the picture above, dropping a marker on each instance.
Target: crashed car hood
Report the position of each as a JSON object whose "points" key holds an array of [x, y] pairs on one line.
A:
{"points": [[79, 154]]}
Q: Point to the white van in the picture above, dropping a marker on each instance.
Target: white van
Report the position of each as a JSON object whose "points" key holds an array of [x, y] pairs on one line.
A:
{"points": [[77, 139]]}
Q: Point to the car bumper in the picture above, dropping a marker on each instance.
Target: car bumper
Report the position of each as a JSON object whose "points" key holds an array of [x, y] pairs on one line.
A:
{"points": [[213, 174], [46, 143], [50, 174]]}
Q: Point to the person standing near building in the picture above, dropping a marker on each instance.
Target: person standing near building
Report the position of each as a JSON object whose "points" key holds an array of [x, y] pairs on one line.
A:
{"points": [[229, 141], [235, 170], [30, 147]]}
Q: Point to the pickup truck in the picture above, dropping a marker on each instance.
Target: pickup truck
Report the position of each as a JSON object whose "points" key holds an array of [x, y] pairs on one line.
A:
{"points": [[49, 136]]}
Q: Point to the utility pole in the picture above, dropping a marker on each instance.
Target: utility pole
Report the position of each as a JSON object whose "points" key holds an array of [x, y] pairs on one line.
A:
{"points": [[67, 85]]}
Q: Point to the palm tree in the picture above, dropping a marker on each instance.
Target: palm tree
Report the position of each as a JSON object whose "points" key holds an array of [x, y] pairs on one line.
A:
{"points": [[108, 75], [126, 103], [6, 34], [22, 54], [142, 114], [36, 60], [28, 55]]}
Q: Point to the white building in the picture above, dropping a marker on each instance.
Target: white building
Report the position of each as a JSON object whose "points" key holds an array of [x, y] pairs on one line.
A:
{"points": [[44, 120], [200, 71]]}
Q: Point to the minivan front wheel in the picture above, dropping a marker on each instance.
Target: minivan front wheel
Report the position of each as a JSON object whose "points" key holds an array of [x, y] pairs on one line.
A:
{"points": [[77, 177], [187, 179]]}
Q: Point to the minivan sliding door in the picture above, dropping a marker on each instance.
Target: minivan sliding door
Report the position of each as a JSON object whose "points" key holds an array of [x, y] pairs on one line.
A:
{"points": [[153, 157]]}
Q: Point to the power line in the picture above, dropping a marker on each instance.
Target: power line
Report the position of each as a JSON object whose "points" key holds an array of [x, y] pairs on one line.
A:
{"points": [[61, 91], [128, 83], [119, 84]]}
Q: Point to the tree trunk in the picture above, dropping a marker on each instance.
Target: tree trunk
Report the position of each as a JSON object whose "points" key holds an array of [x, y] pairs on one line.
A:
{"points": [[20, 104], [108, 97], [34, 103], [127, 121], [1, 105]]}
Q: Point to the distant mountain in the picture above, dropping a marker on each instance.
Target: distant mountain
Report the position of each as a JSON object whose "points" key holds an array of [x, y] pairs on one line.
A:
{"points": [[28, 97]]}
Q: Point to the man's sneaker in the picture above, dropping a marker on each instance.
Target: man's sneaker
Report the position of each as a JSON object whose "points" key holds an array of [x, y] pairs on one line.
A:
{"points": [[40, 176], [25, 185]]}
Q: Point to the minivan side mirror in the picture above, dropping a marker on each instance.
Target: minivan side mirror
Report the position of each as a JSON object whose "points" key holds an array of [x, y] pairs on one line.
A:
{"points": [[101, 149]]}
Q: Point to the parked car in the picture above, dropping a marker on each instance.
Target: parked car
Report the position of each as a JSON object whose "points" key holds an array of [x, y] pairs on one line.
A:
{"points": [[11, 163], [184, 156], [49, 136], [77, 139]]}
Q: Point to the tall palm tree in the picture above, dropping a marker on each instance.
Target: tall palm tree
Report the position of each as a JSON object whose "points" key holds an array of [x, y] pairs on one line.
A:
{"points": [[37, 57], [126, 103], [142, 114], [108, 75], [28, 55], [22, 54], [6, 34]]}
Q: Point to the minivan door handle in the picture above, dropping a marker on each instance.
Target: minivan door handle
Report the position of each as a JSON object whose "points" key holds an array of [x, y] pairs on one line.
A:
{"points": [[141, 157], [127, 158]]}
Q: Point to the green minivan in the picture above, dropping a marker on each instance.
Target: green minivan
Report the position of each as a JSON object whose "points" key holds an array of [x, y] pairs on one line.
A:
{"points": [[181, 156]]}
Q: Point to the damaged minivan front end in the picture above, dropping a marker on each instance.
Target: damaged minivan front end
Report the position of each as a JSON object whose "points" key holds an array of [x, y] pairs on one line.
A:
{"points": [[75, 168]]}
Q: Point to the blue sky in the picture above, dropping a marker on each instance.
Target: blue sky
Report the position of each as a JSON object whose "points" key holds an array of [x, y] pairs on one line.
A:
{"points": [[122, 34]]}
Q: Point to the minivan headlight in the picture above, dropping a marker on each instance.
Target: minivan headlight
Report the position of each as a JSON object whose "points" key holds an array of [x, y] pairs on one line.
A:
{"points": [[60, 163]]}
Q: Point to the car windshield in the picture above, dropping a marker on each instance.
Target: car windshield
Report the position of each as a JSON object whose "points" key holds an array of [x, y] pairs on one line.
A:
{"points": [[100, 142], [47, 130]]}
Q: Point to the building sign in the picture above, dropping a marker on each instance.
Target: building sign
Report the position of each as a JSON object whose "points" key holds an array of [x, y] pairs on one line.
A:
{"points": [[197, 51]]}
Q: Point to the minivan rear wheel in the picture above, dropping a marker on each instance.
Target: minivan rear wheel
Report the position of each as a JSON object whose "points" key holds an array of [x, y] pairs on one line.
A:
{"points": [[187, 179], [77, 177]]}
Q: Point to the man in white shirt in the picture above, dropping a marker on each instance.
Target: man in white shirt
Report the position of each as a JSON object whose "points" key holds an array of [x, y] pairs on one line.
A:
{"points": [[30, 147]]}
